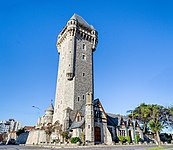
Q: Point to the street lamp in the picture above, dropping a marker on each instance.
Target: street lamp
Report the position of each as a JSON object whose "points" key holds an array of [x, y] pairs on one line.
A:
{"points": [[37, 124], [133, 121], [36, 107]]}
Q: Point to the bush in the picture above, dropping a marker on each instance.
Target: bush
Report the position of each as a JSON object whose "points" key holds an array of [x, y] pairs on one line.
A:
{"points": [[66, 135], [128, 139], [137, 138], [75, 139], [122, 139]]}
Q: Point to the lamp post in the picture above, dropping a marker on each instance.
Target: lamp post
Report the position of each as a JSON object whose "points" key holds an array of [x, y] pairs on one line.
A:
{"points": [[36, 108], [38, 128], [133, 121]]}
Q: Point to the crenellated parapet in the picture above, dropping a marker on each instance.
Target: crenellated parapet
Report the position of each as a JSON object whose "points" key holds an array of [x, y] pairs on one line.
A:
{"points": [[78, 27]]}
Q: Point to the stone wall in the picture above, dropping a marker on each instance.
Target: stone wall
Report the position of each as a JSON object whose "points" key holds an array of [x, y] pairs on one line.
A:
{"points": [[76, 44], [36, 137]]}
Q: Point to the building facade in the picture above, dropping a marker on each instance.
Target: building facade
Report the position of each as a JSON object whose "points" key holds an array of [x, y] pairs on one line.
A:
{"points": [[75, 108], [10, 125]]}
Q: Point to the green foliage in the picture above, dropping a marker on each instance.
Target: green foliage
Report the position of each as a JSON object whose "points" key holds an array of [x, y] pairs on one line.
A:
{"points": [[83, 137], [128, 139], [142, 113], [154, 117], [155, 126], [75, 139], [122, 139], [65, 135], [20, 131], [137, 138]]}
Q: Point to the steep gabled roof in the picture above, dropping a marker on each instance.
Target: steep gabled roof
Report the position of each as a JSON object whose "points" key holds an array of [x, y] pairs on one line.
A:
{"points": [[97, 102], [77, 124], [113, 119]]}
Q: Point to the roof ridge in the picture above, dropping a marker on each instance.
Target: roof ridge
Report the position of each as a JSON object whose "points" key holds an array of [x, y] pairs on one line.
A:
{"points": [[81, 21]]}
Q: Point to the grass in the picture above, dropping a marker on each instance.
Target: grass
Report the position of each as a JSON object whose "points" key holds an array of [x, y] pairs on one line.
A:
{"points": [[156, 148]]}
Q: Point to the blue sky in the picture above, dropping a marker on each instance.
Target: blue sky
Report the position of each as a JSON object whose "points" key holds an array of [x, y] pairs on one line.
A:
{"points": [[133, 62]]}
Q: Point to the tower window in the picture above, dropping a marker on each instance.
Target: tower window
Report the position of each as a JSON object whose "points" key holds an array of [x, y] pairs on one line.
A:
{"points": [[83, 74], [83, 56], [83, 46], [88, 126], [78, 98], [83, 96]]}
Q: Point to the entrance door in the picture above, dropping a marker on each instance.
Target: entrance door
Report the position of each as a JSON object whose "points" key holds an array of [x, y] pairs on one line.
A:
{"points": [[97, 132]]}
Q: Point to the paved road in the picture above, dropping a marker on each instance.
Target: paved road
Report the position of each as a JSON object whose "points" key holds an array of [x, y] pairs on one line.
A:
{"points": [[16, 147]]}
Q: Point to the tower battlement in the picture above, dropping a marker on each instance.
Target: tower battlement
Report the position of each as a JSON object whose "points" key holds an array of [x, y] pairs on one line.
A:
{"points": [[78, 26]]}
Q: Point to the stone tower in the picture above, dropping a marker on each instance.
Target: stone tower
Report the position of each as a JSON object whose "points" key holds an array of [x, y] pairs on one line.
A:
{"points": [[76, 43]]}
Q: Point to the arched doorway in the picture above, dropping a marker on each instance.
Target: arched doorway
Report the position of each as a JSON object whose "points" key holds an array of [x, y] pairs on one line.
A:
{"points": [[97, 134]]}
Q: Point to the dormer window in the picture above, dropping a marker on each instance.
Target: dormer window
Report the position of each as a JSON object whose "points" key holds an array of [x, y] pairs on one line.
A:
{"points": [[78, 117]]}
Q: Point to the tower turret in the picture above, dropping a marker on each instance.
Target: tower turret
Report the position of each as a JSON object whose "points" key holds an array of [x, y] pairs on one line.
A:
{"points": [[76, 44]]}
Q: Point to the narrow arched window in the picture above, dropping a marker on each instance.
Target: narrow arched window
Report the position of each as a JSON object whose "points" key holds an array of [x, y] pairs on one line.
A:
{"points": [[83, 46]]}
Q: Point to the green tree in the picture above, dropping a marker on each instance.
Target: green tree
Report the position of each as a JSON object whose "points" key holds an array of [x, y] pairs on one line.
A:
{"points": [[155, 117], [156, 123], [142, 113], [170, 117]]}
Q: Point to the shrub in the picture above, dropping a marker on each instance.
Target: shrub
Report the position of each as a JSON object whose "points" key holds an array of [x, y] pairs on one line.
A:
{"points": [[75, 139], [83, 137], [65, 135], [128, 139], [137, 138], [122, 139]]}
